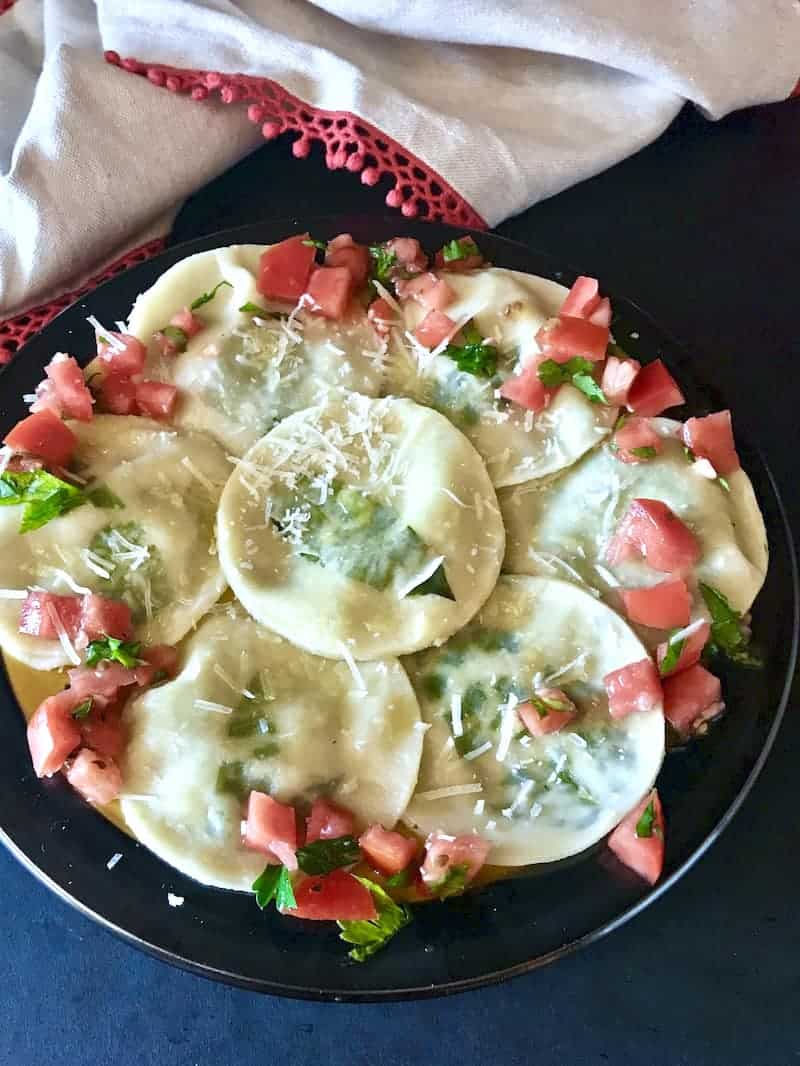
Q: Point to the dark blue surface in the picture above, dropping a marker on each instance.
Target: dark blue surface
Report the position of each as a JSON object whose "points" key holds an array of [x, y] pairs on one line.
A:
{"points": [[700, 229]]}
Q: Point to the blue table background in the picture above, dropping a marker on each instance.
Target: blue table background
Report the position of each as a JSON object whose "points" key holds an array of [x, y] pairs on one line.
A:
{"points": [[708, 975]]}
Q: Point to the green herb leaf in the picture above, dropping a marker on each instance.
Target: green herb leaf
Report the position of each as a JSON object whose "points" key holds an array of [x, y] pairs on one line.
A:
{"points": [[370, 936], [545, 704], [723, 483], [453, 883], [253, 309], [586, 384], [102, 496], [623, 418], [433, 685], [311, 243], [207, 297], [113, 650], [177, 336], [322, 856], [43, 496], [576, 371], [383, 260], [83, 709], [275, 883], [728, 634], [689, 454], [436, 585], [646, 826], [645, 452], [398, 880], [673, 654], [475, 356], [461, 249], [566, 778]]}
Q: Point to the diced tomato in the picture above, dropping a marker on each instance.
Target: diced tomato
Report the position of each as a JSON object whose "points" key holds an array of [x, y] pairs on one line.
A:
{"points": [[443, 852], [434, 328], [691, 697], [386, 850], [36, 616], [601, 316], [654, 390], [117, 393], [343, 251], [569, 337], [127, 360], [381, 315], [582, 299], [330, 289], [650, 529], [284, 269], [526, 389], [554, 710], [459, 266], [159, 659], [633, 435], [53, 733], [103, 731], [411, 259], [336, 896], [104, 617], [95, 776], [635, 687], [271, 827], [662, 606], [432, 292], [712, 438], [102, 682], [642, 854], [156, 399], [44, 435], [327, 821], [618, 376], [64, 391], [188, 321], [691, 651]]}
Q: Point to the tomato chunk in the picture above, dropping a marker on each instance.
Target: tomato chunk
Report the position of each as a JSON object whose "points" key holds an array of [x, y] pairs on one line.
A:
{"points": [[691, 697], [36, 615], [550, 711], [386, 850], [64, 391], [618, 376], [95, 776], [102, 682], [654, 390], [635, 687], [327, 821], [650, 529], [117, 393], [662, 606], [336, 896], [583, 298], [284, 269], [642, 854], [432, 292], [104, 617], [53, 733], [527, 390], [570, 337], [411, 259], [271, 827], [601, 316], [636, 441], [156, 399], [691, 651], [188, 321], [103, 731], [381, 315], [443, 853], [329, 290], [163, 658], [44, 435], [343, 251], [459, 266], [434, 328], [126, 357], [712, 438]]}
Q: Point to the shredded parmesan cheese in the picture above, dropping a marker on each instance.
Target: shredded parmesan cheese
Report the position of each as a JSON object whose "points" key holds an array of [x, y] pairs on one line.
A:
{"points": [[105, 335], [112, 862], [358, 677], [450, 790], [71, 584], [477, 752], [210, 705], [97, 564], [63, 636], [13, 594], [232, 684], [455, 715], [198, 475], [507, 721]]}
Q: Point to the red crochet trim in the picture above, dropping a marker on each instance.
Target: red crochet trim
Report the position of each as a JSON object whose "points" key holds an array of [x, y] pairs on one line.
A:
{"points": [[6, 5], [14, 332], [349, 141]]}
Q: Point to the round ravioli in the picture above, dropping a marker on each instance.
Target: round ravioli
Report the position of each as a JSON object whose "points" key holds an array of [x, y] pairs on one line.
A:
{"points": [[247, 370], [361, 528], [144, 535], [507, 308], [249, 711], [535, 799], [562, 526]]}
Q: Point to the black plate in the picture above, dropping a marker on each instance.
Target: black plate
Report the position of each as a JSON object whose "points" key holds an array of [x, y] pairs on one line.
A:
{"points": [[501, 931]]}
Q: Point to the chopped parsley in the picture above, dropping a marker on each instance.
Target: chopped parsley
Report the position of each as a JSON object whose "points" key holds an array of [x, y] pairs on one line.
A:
{"points": [[383, 262], [274, 884], [111, 649], [566, 778], [647, 451], [43, 496], [453, 883], [460, 249], [372, 935], [673, 654], [322, 856], [433, 685], [137, 573], [543, 705], [253, 309], [475, 356], [577, 371], [83, 709], [647, 826], [728, 633], [102, 496], [398, 880], [207, 297], [322, 246], [723, 483], [177, 337], [232, 778], [250, 715]]}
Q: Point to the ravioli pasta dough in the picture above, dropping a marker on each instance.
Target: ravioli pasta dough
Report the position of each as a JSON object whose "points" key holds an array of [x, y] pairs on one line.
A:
{"points": [[361, 528], [250, 711], [246, 371], [534, 799], [149, 540], [508, 309]]}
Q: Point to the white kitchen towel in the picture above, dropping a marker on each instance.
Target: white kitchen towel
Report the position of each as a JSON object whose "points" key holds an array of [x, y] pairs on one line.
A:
{"points": [[496, 103]]}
